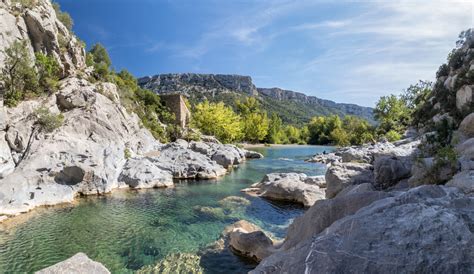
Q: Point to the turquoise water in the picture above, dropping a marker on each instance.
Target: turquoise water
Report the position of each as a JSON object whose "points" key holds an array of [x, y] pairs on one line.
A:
{"points": [[127, 230]]}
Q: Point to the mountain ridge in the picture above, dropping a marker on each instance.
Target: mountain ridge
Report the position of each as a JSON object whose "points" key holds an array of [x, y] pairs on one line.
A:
{"points": [[298, 107]]}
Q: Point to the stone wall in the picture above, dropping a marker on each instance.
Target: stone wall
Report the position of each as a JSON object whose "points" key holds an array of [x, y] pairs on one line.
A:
{"points": [[176, 104]]}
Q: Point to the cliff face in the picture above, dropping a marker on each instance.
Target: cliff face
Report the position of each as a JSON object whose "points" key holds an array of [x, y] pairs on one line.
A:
{"points": [[187, 83], [39, 26], [294, 107]]}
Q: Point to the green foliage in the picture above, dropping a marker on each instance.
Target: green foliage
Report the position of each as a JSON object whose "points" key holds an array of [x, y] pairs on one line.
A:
{"points": [[392, 113], [49, 72], [393, 136], [47, 121], [218, 120], [275, 134], [127, 154], [18, 74], [99, 58], [26, 3], [255, 122], [63, 17], [332, 130]]}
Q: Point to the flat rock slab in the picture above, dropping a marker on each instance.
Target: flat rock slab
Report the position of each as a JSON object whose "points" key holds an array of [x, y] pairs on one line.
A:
{"points": [[77, 264]]}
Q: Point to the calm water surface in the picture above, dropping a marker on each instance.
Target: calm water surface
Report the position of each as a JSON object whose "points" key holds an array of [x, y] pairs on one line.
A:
{"points": [[127, 230]]}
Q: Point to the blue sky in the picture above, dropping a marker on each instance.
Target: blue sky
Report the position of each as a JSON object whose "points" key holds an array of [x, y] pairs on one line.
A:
{"points": [[346, 51]]}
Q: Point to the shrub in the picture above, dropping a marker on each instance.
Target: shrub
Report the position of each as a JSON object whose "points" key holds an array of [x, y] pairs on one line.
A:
{"points": [[18, 74], [47, 121], [127, 154], [442, 71], [48, 72], [393, 136]]}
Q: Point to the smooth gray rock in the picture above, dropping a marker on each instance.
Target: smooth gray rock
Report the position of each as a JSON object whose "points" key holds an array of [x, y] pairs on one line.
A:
{"points": [[289, 187], [142, 173], [325, 212], [463, 180], [77, 264], [342, 175], [389, 170], [249, 240], [464, 96], [425, 230], [467, 126], [184, 163]]}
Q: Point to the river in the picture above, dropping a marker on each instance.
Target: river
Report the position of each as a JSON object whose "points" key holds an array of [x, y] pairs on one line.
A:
{"points": [[127, 230]]}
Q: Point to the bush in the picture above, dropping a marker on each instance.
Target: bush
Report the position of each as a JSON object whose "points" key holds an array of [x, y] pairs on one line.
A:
{"points": [[18, 74], [47, 121], [49, 72], [393, 136], [127, 154]]}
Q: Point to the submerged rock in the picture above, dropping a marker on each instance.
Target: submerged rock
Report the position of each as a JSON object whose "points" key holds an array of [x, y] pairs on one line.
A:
{"points": [[77, 264], [175, 263]]}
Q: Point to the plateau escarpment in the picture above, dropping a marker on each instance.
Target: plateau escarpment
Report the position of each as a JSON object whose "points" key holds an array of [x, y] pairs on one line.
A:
{"points": [[293, 107]]}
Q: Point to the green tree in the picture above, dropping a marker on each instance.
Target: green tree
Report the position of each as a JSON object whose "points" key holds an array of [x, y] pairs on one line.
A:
{"points": [[99, 58], [340, 137], [392, 113], [292, 134], [274, 135], [218, 120], [18, 74], [255, 126]]}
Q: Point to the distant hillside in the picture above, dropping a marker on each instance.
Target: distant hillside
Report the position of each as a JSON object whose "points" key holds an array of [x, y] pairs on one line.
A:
{"points": [[293, 107]]}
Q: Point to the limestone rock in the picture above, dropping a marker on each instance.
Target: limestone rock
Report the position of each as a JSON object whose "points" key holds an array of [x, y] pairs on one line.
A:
{"points": [[289, 187], [247, 239], [77, 264], [389, 170], [343, 175], [463, 180], [319, 181], [467, 126], [142, 173], [464, 96], [184, 163], [325, 212], [391, 235], [249, 154]]}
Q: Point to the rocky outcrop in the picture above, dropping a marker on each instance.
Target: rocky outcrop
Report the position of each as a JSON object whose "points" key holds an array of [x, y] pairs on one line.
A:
{"points": [[88, 153], [384, 236], [204, 83], [40, 27], [325, 212], [143, 173], [295, 187], [389, 170], [77, 264]]}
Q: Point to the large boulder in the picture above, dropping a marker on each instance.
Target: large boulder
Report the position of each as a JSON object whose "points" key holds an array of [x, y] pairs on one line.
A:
{"points": [[249, 240], [142, 173], [289, 187], [325, 212], [425, 230], [184, 163], [77, 264], [467, 126], [464, 97], [389, 170], [342, 175], [463, 180]]}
